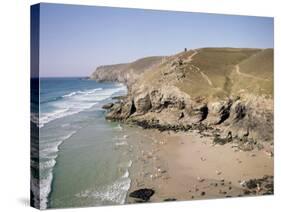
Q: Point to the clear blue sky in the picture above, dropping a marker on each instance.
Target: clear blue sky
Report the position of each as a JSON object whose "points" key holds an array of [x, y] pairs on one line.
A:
{"points": [[74, 40]]}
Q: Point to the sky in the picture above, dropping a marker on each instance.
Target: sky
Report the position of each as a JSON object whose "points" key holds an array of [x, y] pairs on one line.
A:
{"points": [[74, 39]]}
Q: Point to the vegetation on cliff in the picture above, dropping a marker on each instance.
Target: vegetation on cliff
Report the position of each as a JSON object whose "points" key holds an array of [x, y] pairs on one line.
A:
{"points": [[226, 92]]}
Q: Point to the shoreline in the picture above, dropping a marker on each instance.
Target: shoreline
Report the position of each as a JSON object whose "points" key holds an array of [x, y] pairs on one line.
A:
{"points": [[185, 166]]}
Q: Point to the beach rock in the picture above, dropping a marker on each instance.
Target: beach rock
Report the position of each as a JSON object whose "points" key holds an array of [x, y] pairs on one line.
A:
{"points": [[128, 109], [107, 106], [261, 186], [218, 140], [142, 102], [203, 193], [172, 97], [251, 183], [143, 194], [238, 111], [155, 97], [224, 111], [200, 112], [120, 110], [114, 112]]}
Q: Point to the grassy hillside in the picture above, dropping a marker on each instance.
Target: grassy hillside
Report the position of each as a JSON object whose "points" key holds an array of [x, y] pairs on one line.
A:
{"points": [[127, 72], [215, 72], [256, 74]]}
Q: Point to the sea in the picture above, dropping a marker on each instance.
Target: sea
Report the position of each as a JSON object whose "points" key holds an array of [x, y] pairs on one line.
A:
{"points": [[82, 161]]}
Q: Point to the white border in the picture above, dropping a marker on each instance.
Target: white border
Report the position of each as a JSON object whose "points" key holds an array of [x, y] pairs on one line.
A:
{"points": [[14, 135]]}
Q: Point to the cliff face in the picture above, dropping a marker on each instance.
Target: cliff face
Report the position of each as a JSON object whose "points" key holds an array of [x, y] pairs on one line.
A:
{"points": [[126, 73], [226, 93]]}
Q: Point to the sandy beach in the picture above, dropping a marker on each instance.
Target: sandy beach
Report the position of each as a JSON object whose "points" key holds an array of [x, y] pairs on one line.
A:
{"points": [[185, 166]]}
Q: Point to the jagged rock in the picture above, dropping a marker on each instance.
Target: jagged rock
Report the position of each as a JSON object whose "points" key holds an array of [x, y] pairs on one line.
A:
{"points": [[173, 97], [142, 102], [261, 186], [107, 106], [181, 115], [121, 110], [156, 97], [224, 111], [114, 112], [239, 110], [200, 112], [251, 184], [161, 127], [143, 194], [222, 141]]}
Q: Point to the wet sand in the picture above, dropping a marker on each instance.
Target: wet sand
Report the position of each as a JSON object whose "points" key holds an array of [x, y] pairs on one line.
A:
{"points": [[185, 166]]}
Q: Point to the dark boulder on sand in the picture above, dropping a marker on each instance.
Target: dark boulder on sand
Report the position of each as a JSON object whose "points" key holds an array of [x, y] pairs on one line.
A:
{"points": [[143, 194]]}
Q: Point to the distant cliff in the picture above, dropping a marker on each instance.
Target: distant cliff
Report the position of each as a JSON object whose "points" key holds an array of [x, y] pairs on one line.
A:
{"points": [[126, 73]]}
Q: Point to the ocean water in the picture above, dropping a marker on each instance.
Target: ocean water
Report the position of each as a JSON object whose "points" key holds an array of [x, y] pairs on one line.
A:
{"points": [[83, 158]]}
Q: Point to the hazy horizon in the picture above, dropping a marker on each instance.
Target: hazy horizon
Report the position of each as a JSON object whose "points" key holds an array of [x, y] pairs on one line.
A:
{"points": [[74, 39]]}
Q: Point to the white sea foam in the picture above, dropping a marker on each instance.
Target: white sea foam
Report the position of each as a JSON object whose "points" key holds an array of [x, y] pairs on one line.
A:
{"points": [[126, 164], [47, 164], [76, 102], [67, 105], [126, 174], [34, 186], [122, 143], [48, 154], [118, 127], [34, 118], [70, 94], [41, 189], [115, 192], [49, 149], [45, 188], [88, 92]]}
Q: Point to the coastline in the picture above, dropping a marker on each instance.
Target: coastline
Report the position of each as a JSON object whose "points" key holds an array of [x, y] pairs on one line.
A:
{"points": [[176, 163], [210, 119], [69, 117], [176, 144]]}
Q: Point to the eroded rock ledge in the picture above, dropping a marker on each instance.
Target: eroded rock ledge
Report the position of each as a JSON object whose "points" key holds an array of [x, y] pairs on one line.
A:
{"points": [[234, 119]]}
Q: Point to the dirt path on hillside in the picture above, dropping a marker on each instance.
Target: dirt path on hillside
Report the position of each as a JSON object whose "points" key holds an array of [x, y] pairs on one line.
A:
{"points": [[237, 70]]}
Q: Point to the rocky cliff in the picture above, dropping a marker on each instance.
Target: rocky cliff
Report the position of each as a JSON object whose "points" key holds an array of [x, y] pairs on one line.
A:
{"points": [[126, 73], [226, 93]]}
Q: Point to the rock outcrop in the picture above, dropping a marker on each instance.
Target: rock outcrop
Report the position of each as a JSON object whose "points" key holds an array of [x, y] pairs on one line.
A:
{"points": [[220, 91], [143, 194]]}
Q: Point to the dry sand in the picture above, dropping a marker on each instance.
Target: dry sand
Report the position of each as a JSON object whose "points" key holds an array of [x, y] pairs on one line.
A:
{"points": [[186, 166]]}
